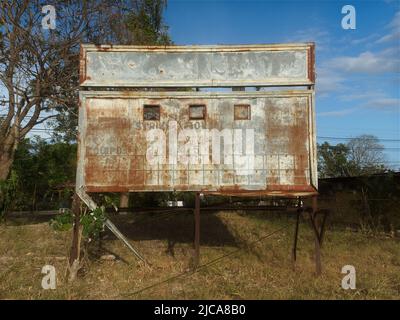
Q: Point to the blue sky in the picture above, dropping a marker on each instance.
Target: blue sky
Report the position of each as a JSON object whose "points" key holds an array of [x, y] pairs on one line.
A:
{"points": [[358, 71]]}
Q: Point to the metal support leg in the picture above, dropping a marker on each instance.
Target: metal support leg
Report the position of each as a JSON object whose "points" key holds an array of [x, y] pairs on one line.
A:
{"points": [[318, 267], [196, 257], [322, 231], [296, 232]]}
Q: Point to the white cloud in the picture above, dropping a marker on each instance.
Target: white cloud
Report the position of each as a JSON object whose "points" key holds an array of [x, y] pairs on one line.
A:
{"points": [[364, 95], [364, 40], [320, 37], [388, 104], [389, 37], [347, 76], [394, 33], [327, 81], [395, 23], [379, 102], [376, 99], [387, 60], [336, 113]]}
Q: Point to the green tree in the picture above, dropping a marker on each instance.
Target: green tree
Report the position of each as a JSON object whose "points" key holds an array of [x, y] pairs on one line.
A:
{"points": [[133, 23], [365, 155], [43, 168], [39, 69], [332, 160], [362, 155], [146, 24]]}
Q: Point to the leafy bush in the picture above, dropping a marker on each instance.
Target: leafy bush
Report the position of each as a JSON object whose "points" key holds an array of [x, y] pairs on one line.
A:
{"points": [[92, 222], [46, 173], [63, 222]]}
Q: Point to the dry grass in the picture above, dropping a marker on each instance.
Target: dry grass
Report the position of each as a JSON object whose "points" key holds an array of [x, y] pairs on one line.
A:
{"points": [[258, 271]]}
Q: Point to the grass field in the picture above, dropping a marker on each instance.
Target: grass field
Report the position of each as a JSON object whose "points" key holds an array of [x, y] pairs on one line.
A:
{"points": [[257, 270]]}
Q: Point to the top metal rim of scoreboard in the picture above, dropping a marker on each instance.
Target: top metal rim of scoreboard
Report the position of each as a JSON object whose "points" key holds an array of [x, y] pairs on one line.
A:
{"points": [[291, 64]]}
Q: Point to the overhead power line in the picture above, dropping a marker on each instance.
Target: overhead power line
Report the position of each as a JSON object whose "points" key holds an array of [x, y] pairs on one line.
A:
{"points": [[350, 138], [318, 137]]}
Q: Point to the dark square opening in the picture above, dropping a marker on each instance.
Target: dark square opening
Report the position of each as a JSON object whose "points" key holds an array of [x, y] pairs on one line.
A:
{"points": [[242, 112], [151, 112], [197, 112]]}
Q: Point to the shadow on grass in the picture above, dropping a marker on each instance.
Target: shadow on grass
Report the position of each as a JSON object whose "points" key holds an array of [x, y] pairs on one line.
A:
{"points": [[27, 219], [173, 227]]}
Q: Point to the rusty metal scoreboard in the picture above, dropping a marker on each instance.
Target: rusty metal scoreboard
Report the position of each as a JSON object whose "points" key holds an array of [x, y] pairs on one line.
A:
{"points": [[148, 123]]}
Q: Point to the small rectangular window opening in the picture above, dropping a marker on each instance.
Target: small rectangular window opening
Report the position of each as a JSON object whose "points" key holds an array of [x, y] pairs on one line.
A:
{"points": [[242, 112], [151, 112], [197, 112]]}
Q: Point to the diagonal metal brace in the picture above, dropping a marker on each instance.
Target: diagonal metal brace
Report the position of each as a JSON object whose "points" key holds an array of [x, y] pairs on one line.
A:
{"points": [[319, 233], [92, 206], [121, 237]]}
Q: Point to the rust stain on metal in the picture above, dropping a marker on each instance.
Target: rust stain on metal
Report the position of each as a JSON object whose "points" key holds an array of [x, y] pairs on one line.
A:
{"points": [[116, 143], [198, 66], [121, 131], [311, 63], [242, 112]]}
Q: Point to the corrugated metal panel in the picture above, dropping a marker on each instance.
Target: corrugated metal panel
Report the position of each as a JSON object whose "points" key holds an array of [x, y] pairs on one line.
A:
{"points": [[114, 143], [197, 66]]}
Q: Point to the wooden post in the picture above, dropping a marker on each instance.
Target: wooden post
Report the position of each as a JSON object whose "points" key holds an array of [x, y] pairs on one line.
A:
{"points": [[75, 246], [124, 200], [196, 258], [75, 251]]}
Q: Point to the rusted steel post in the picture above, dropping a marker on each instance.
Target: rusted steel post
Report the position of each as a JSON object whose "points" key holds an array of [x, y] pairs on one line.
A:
{"points": [[76, 234], [318, 267], [323, 224], [196, 258], [296, 232]]}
